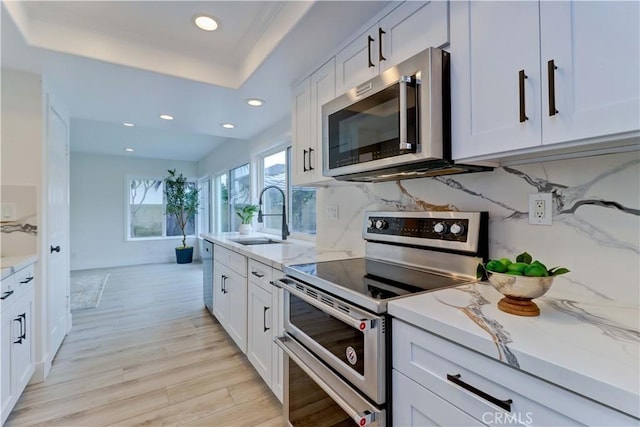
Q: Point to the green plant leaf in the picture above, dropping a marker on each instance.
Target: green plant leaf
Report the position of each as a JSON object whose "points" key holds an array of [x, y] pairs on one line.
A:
{"points": [[556, 271], [524, 257]]}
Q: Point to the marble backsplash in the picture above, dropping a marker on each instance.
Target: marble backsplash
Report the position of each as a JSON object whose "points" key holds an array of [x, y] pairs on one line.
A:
{"points": [[596, 216], [19, 237]]}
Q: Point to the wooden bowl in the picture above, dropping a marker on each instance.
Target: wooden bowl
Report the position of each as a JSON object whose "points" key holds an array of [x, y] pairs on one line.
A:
{"points": [[518, 292]]}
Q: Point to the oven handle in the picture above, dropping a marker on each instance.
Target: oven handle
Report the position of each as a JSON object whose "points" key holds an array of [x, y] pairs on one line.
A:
{"points": [[362, 324], [361, 418]]}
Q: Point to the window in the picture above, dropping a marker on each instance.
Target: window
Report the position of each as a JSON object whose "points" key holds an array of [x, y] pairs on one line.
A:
{"points": [[146, 211], [232, 190], [301, 201]]}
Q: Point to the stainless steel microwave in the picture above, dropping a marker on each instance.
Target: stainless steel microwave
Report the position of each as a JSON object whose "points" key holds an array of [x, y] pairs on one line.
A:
{"points": [[395, 126]]}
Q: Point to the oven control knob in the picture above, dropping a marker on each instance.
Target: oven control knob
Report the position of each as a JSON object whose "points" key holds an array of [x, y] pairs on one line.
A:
{"points": [[370, 223], [457, 229], [381, 224], [440, 227]]}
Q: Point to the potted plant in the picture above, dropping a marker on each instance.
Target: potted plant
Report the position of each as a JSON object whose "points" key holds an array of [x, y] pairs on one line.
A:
{"points": [[246, 214], [182, 202]]}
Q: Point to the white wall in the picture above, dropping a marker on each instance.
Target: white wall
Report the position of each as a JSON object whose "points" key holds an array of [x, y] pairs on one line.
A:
{"points": [[98, 218]]}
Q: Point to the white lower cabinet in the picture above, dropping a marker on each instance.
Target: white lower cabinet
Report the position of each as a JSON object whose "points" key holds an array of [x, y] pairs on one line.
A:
{"points": [[415, 406], [17, 361], [449, 382], [265, 324], [230, 294]]}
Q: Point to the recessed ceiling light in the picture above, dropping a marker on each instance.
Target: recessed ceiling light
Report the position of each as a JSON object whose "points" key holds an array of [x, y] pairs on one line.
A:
{"points": [[206, 23], [228, 125], [129, 149], [166, 117], [255, 102], [129, 125]]}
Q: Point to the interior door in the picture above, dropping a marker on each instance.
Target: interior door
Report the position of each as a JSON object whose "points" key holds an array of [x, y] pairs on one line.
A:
{"points": [[57, 284]]}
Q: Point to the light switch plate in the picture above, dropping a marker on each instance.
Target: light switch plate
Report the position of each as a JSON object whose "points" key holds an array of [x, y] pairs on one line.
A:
{"points": [[8, 212]]}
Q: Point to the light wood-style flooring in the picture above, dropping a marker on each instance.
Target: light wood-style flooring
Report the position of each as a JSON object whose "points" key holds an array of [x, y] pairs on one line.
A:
{"points": [[150, 354]]}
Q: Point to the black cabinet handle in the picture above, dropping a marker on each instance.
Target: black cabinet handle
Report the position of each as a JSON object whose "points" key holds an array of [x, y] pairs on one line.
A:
{"points": [[27, 280], [504, 404], [259, 275], [380, 33], [311, 150], [23, 326], [551, 67], [264, 319], [369, 40], [56, 249], [521, 77], [19, 320], [6, 295], [304, 161]]}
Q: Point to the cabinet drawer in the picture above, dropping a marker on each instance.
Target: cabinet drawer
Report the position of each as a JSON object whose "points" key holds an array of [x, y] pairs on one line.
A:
{"points": [[414, 405], [7, 290], [476, 384], [233, 260], [24, 279], [260, 274]]}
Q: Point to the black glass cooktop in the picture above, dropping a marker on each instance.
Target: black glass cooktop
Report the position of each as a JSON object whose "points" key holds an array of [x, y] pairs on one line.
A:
{"points": [[370, 278]]}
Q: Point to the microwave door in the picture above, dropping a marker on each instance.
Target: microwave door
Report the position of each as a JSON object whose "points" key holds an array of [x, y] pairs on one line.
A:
{"points": [[379, 127]]}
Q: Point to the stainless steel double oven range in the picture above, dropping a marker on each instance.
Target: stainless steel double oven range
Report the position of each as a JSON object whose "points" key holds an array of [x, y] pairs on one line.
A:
{"points": [[337, 333]]}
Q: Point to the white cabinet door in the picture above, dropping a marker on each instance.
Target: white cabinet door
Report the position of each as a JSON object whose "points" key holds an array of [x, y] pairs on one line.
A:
{"points": [[412, 28], [22, 365], [301, 133], [414, 405], [260, 343], [219, 294], [235, 286], [323, 90], [493, 43], [595, 46], [358, 62], [5, 360]]}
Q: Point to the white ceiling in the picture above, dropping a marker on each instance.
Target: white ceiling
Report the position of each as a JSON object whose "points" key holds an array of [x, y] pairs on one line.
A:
{"points": [[130, 61]]}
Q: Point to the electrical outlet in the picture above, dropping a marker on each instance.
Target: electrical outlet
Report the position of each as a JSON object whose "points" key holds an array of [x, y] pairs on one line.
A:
{"points": [[332, 212], [540, 208]]}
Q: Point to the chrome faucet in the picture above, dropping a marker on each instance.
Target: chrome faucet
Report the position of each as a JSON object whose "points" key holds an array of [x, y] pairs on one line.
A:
{"points": [[285, 227]]}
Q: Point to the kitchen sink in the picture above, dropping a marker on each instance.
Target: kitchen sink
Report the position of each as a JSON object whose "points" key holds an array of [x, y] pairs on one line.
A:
{"points": [[249, 241]]}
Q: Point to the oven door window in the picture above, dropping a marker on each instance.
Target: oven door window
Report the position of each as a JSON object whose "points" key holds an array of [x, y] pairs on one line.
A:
{"points": [[343, 341], [370, 129]]}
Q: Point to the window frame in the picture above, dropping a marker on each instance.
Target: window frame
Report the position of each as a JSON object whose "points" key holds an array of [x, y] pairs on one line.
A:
{"points": [[289, 193], [127, 211]]}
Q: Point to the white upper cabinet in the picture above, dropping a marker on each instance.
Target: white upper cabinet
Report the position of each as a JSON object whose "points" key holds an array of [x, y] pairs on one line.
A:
{"points": [[308, 98], [412, 28], [595, 46], [407, 30], [505, 90]]}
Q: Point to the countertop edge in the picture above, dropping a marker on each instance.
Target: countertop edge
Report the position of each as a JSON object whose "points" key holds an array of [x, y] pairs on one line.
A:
{"points": [[615, 397]]}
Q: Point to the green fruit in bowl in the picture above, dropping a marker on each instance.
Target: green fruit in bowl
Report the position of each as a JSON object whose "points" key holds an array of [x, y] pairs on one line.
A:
{"points": [[517, 267], [523, 266], [497, 266], [535, 271], [505, 261]]}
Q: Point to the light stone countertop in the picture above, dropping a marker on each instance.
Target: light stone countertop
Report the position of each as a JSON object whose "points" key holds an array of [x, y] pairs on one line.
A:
{"points": [[277, 255], [11, 264], [581, 342]]}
